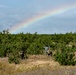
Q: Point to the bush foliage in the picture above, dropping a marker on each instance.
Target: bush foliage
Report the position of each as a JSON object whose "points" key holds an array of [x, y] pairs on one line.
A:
{"points": [[65, 57], [17, 46]]}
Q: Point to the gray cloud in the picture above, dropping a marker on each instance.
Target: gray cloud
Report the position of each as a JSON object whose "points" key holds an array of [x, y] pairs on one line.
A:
{"points": [[16, 11]]}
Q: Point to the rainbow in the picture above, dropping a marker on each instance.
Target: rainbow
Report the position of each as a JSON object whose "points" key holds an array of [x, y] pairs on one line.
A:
{"points": [[42, 16]]}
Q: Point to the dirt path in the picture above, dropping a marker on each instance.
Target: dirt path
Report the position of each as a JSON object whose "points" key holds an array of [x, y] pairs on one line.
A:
{"points": [[35, 62], [42, 65], [35, 65]]}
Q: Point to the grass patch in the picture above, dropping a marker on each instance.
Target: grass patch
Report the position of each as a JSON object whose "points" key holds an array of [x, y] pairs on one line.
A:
{"points": [[35, 65]]}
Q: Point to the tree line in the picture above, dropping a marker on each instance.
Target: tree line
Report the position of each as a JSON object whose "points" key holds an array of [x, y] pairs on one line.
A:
{"points": [[18, 46]]}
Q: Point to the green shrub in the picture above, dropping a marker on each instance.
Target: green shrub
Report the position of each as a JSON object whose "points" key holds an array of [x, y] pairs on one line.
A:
{"points": [[14, 58], [65, 57]]}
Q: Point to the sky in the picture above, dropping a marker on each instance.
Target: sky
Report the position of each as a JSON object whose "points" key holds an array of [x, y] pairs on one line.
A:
{"points": [[14, 12]]}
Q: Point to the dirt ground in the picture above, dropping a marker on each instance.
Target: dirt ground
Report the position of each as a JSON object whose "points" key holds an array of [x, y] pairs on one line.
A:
{"points": [[36, 65]]}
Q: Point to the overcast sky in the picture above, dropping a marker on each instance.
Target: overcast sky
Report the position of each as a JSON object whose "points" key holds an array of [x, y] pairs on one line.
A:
{"points": [[13, 12]]}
